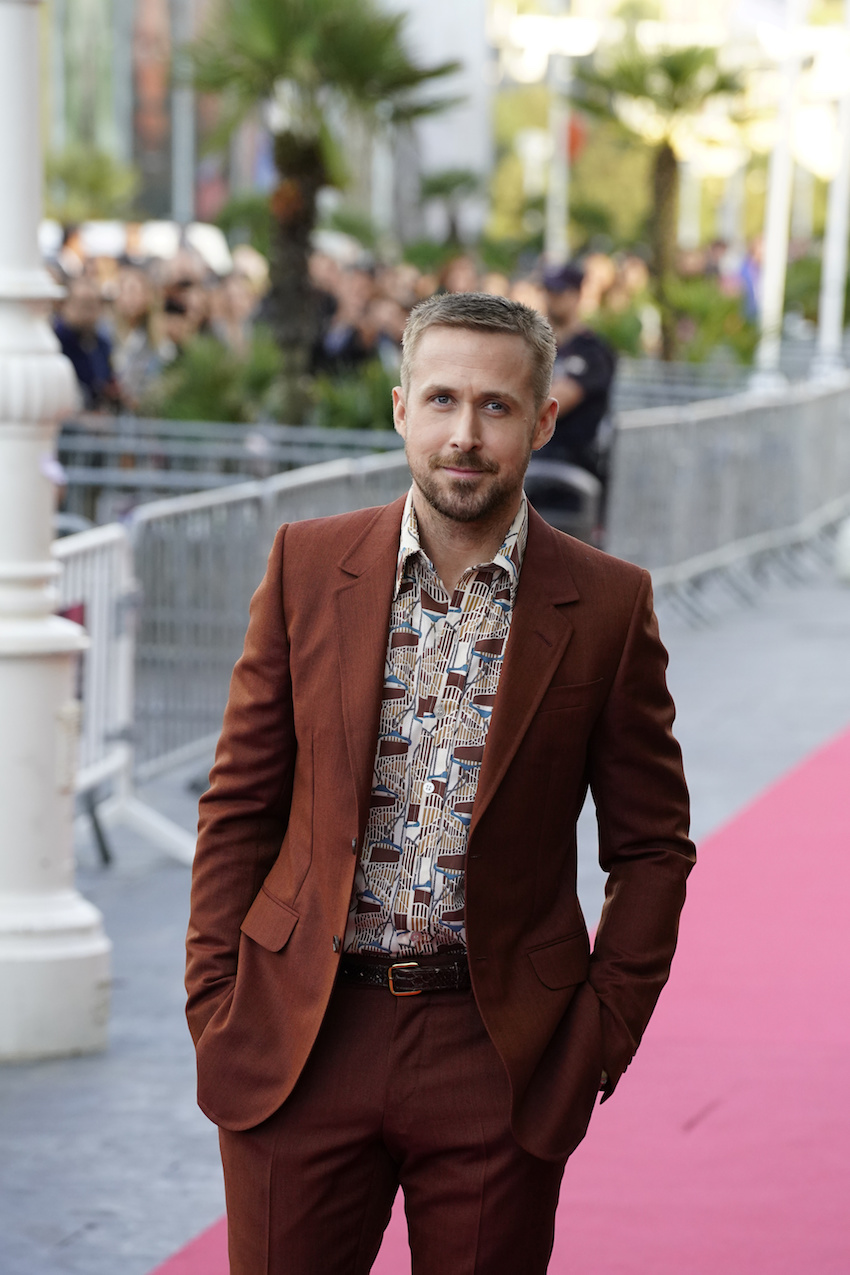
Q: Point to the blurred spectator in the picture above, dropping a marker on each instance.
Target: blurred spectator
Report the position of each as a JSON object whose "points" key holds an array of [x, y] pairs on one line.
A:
{"points": [[234, 308], [530, 294], [496, 284], [751, 279], [460, 274], [387, 319], [77, 326], [349, 338], [137, 358], [583, 374]]}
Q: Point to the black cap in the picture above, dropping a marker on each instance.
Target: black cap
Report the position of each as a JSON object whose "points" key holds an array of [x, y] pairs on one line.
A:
{"points": [[565, 278]]}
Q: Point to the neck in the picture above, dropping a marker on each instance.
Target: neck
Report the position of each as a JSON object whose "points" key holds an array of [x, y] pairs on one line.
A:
{"points": [[454, 546]]}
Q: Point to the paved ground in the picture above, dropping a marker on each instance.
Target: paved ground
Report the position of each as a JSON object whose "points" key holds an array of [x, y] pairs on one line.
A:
{"points": [[105, 1163]]}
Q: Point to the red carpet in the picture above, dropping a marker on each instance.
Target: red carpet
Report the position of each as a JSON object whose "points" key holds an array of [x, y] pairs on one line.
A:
{"points": [[726, 1150]]}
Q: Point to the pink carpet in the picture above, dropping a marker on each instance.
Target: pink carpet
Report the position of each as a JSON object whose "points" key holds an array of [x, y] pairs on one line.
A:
{"points": [[726, 1150]]}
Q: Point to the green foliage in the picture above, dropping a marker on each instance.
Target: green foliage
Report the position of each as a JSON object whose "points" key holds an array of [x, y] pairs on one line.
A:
{"points": [[621, 329], [209, 382], [85, 184], [593, 220], [247, 218], [356, 224], [501, 254], [308, 55], [361, 400], [428, 255], [674, 82], [709, 321], [802, 288], [449, 184]]}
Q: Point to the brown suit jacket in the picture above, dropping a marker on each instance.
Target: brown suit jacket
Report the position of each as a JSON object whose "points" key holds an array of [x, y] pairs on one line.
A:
{"points": [[582, 700]]}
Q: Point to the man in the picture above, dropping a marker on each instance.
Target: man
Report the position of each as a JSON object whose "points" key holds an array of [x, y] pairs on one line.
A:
{"points": [[389, 973], [78, 329], [582, 377]]}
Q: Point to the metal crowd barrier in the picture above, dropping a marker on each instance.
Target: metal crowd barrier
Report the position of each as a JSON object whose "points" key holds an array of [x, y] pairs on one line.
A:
{"points": [[695, 488], [114, 463], [198, 560], [97, 589]]}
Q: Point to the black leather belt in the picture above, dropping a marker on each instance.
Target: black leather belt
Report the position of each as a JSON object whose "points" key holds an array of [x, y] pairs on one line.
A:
{"points": [[407, 978]]}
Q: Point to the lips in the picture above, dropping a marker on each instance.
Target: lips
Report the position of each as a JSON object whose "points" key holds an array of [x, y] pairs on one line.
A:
{"points": [[462, 468]]}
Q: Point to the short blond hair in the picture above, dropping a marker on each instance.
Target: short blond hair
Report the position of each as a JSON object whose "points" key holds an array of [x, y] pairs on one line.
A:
{"points": [[481, 312]]}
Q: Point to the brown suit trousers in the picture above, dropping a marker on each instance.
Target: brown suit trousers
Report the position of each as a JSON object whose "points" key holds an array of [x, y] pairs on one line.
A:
{"points": [[397, 1090]]}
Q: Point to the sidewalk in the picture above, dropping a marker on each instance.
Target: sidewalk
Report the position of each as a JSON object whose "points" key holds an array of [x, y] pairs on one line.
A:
{"points": [[105, 1163]]}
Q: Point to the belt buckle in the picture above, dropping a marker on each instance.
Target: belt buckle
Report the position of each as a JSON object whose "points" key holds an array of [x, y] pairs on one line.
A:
{"points": [[403, 965]]}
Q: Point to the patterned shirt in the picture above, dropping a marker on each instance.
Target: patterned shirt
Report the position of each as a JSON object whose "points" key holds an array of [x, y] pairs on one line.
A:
{"points": [[444, 658]]}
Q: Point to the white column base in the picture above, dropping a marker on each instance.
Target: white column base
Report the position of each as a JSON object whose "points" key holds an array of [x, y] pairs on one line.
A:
{"points": [[54, 977]]}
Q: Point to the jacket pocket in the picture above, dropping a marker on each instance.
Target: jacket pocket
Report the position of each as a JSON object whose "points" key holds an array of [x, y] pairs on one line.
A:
{"points": [[563, 962], [576, 695], [269, 922]]}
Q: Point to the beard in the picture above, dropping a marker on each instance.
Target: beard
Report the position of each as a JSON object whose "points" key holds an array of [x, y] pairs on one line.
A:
{"points": [[467, 500]]}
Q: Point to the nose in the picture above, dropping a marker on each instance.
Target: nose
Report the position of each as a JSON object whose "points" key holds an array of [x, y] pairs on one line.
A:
{"points": [[465, 435]]}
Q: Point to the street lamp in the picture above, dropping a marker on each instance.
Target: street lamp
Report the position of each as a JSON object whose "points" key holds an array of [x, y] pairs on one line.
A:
{"points": [[778, 211], [537, 45], [54, 955]]}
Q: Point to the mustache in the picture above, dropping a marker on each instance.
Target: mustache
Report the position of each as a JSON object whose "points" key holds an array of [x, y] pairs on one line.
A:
{"points": [[460, 460]]}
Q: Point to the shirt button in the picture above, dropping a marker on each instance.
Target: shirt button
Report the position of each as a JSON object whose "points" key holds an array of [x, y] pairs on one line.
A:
{"points": [[441, 710], [428, 786]]}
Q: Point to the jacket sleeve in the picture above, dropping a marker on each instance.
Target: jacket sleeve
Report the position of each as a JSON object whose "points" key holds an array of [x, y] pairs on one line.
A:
{"points": [[638, 785], [244, 813]]}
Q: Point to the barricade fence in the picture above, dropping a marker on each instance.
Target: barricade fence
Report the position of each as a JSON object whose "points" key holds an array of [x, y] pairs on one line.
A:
{"points": [[199, 559], [97, 590], [698, 486], [694, 489], [114, 463]]}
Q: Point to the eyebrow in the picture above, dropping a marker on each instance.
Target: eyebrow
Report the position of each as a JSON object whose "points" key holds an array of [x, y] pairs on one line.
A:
{"points": [[428, 390]]}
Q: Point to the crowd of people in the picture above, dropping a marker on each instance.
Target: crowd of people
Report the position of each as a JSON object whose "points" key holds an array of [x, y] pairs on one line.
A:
{"points": [[124, 323]]}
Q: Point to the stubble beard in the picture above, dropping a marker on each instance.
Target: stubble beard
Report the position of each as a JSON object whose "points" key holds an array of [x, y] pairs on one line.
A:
{"points": [[463, 501]]}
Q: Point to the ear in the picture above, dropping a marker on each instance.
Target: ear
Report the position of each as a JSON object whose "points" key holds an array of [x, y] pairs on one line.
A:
{"points": [[399, 412], [545, 427]]}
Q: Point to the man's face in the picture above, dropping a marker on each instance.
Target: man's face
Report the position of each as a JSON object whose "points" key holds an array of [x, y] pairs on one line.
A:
{"points": [[562, 307], [81, 308], [469, 421]]}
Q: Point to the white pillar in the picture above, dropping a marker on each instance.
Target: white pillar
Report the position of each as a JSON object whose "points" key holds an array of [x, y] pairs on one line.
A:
{"points": [[834, 267], [54, 956], [556, 234], [778, 212], [802, 205], [690, 207], [730, 218]]}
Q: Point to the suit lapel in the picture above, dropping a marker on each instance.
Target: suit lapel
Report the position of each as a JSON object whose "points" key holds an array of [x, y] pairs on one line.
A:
{"points": [[363, 604], [540, 631]]}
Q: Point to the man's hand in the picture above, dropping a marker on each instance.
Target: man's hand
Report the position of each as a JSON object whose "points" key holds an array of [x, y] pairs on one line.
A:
{"points": [[568, 392]]}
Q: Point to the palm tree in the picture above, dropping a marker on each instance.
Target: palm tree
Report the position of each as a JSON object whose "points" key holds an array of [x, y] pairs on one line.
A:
{"points": [[656, 96], [310, 63], [450, 186]]}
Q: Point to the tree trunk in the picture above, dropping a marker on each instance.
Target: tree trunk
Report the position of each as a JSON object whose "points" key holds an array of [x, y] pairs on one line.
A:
{"points": [[665, 186], [292, 304]]}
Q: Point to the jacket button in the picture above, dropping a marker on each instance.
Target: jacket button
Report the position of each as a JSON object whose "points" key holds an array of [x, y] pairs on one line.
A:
{"points": [[354, 845]]}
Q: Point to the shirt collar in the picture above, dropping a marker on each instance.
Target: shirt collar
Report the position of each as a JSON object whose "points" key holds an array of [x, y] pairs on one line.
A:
{"points": [[509, 557]]}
